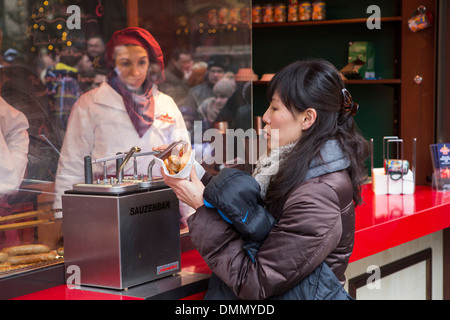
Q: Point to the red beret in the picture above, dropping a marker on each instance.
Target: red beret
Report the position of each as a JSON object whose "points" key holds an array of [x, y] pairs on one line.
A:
{"points": [[135, 36]]}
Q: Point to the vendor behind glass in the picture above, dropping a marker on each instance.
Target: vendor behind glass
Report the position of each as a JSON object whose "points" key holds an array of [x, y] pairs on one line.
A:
{"points": [[125, 111]]}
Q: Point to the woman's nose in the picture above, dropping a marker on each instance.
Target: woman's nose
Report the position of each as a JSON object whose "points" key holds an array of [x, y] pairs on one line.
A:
{"points": [[135, 71], [266, 118]]}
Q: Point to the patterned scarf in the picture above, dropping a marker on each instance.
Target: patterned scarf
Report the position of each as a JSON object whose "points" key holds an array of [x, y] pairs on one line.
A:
{"points": [[140, 107], [331, 159], [268, 165]]}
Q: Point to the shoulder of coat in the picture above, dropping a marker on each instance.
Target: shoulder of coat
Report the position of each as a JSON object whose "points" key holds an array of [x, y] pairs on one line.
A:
{"points": [[106, 95]]}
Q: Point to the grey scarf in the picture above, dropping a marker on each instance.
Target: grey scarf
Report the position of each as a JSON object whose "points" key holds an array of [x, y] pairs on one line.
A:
{"points": [[331, 159]]}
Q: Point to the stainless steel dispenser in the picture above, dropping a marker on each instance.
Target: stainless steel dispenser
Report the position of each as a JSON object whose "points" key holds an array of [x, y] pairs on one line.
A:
{"points": [[121, 232]]}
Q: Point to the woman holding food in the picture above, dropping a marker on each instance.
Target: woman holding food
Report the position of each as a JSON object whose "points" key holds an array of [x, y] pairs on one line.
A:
{"points": [[309, 182], [125, 111]]}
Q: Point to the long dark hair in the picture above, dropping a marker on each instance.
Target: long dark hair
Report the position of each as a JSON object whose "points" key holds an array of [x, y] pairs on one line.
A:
{"points": [[315, 84]]}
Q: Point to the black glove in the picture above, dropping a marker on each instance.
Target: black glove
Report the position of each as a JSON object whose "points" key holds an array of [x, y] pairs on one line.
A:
{"points": [[236, 196]]}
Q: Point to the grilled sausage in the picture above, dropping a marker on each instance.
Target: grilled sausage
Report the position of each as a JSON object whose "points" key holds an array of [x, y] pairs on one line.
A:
{"points": [[26, 249], [32, 258]]}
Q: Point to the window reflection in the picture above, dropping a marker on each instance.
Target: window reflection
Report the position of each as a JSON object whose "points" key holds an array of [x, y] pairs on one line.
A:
{"points": [[52, 53]]}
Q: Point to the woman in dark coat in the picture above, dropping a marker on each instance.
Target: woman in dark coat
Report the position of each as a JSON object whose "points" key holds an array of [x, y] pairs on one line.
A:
{"points": [[309, 181]]}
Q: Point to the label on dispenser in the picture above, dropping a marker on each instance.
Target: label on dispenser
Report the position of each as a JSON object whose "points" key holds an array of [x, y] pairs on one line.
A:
{"points": [[167, 268]]}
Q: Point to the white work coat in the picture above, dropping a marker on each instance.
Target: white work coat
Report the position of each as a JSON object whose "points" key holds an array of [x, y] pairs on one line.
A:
{"points": [[99, 126], [14, 142]]}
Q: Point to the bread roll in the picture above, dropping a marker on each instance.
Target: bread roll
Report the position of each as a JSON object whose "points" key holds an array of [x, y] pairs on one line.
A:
{"points": [[3, 257]]}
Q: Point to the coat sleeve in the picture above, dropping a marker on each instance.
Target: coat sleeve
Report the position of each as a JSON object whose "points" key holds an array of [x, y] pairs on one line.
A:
{"points": [[14, 141], [308, 231]]}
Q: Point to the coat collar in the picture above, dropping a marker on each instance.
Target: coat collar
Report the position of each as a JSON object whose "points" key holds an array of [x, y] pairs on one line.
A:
{"points": [[332, 159], [107, 96]]}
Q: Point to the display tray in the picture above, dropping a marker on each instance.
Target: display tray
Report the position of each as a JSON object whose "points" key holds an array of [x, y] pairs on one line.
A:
{"points": [[19, 269], [106, 188]]}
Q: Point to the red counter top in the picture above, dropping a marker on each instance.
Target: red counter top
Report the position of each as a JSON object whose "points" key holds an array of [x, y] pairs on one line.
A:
{"points": [[191, 263], [382, 222], [385, 221]]}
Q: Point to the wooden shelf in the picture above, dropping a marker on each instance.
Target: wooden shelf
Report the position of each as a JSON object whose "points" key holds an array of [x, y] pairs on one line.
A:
{"points": [[322, 22], [380, 81]]}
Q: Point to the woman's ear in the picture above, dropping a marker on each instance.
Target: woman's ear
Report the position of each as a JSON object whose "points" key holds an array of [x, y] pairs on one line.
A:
{"points": [[309, 117]]}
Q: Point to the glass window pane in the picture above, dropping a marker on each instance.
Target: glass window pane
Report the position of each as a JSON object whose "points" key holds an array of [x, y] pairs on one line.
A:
{"points": [[66, 96]]}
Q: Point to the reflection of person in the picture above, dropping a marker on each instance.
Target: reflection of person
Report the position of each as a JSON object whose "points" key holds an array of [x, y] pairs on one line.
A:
{"points": [[198, 73], [95, 47], [61, 81], [211, 107], [176, 76], [310, 183], [95, 52], [14, 142], [244, 112], [86, 74], [202, 91], [126, 111], [42, 63]]}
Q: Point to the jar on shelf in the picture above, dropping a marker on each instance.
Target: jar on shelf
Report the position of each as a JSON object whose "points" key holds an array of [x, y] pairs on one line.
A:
{"points": [[257, 13], [318, 10], [246, 17], [292, 15], [268, 13], [279, 13], [304, 11], [234, 16], [212, 17], [223, 16]]}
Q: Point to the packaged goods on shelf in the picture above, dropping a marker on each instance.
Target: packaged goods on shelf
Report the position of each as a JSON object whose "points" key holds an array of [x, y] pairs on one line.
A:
{"points": [[304, 11], [318, 10], [293, 8], [279, 13], [257, 13], [268, 13], [361, 61]]}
